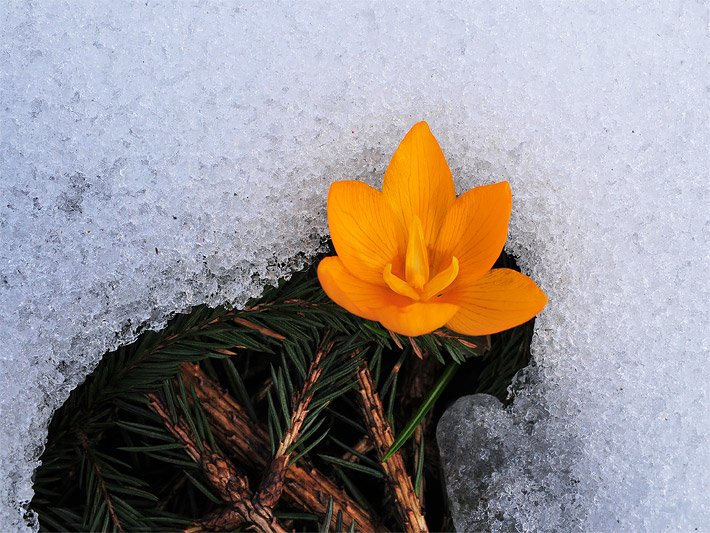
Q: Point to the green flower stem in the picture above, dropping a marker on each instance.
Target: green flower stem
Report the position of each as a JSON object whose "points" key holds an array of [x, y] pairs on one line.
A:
{"points": [[426, 406]]}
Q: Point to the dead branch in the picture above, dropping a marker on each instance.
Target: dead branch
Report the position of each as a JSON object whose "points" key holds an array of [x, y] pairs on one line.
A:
{"points": [[269, 305], [271, 487], [417, 349], [304, 486], [417, 439], [421, 376], [481, 346], [263, 390], [232, 486], [261, 329], [381, 435], [363, 446]]}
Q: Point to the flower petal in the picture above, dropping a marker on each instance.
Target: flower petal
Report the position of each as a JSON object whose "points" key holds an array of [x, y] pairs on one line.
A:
{"points": [[357, 296], [474, 230], [366, 233], [418, 181], [417, 318], [373, 302], [500, 300]]}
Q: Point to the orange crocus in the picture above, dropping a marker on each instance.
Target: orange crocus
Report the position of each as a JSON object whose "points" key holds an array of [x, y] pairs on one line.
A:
{"points": [[414, 257]]}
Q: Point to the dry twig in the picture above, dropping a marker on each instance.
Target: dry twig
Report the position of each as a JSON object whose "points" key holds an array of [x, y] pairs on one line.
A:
{"points": [[272, 483], [261, 329], [422, 375], [363, 446], [303, 486], [232, 486], [417, 439], [382, 437]]}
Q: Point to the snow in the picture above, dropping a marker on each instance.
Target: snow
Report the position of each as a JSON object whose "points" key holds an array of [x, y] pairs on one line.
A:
{"points": [[158, 155]]}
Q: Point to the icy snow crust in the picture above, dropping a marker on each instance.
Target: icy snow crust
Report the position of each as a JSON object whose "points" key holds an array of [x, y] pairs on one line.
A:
{"points": [[159, 155]]}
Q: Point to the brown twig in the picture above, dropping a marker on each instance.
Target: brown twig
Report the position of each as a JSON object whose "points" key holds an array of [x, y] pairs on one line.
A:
{"points": [[396, 340], [417, 439], [272, 483], [266, 306], [408, 507], [232, 486], [421, 377], [417, 349], [263, 390], [363, 446], [481, 346], [304, 486], [261, 329], [176, 484]]}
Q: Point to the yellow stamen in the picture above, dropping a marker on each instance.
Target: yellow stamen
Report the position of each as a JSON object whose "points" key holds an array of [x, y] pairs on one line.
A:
{"points": [[398, 285], [442, 280], [416, 265]]}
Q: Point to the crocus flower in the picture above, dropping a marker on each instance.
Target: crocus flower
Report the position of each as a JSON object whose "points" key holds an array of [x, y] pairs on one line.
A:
{"points": [[414, 257]]}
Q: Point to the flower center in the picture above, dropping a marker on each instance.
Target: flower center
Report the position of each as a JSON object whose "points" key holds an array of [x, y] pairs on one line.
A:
{"points": [[417, 285]]}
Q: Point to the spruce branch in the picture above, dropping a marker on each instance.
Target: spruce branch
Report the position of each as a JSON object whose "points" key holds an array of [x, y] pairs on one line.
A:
{"points": [[304, 486], [232, 486], [112, 463], [101, 482], [271, 487], [409, 510]]}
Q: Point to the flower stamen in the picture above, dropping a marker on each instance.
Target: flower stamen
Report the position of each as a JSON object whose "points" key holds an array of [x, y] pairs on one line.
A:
{"points": [[416, 265], [398, 285], [442, 280]]}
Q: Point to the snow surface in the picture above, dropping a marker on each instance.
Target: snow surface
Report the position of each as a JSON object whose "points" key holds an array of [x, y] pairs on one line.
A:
{"points": [[157, 155]]}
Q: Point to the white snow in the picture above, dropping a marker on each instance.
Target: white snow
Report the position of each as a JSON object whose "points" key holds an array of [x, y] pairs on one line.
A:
{"points": [[157, 155]]}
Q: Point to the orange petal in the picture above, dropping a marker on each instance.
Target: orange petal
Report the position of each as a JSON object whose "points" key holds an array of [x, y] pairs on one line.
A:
{"points": [[474, 230], [418, 181], [366, 233], [500, 300], [357, 296], [417, 318]]}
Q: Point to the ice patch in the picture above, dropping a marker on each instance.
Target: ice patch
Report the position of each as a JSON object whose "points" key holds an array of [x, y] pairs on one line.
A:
{"points": [[158, 155]]}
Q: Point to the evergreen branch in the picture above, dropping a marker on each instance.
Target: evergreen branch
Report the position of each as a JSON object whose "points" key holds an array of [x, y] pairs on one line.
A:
{"points": [[232, 486], [409, 510], [101, 482], [304, 486], [271, 487], [107, 431]]}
